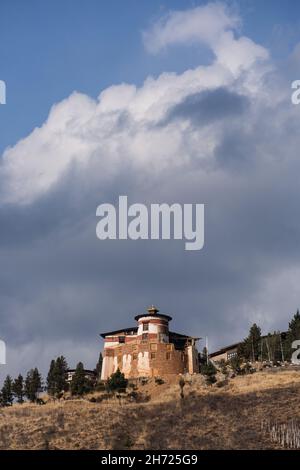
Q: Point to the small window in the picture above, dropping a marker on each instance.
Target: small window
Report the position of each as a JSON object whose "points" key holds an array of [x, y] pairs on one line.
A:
{"points": [[153, 355], [145, 326], [169, 347], [121, 339], [231, 355], [153, 347], [144, 336], [168, 356], [163, 329]]}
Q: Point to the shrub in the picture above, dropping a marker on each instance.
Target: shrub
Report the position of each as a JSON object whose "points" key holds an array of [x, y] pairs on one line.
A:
{"points": [[209, 371], [100, 386], [117, 382], [235, 364], [159, 381]]}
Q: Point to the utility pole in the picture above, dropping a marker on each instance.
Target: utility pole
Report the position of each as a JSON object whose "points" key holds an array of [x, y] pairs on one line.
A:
{"points": [[268, 350], [206, 347], [282, 354]]}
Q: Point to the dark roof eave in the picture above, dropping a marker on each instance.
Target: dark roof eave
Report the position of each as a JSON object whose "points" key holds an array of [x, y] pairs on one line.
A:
{"points": [[181, 336], [123, 330], [224, 350]]}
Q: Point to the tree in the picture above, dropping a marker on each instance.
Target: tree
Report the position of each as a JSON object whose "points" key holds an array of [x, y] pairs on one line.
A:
{"points": [[6, 392], [33, 384], [80, 383], [51, 385], [235, 364], [249, 349], [203, 356], [117, 381], [292, 334], [61, 368], [57, 376], [209, 370], [18, 389], [98, 368]]}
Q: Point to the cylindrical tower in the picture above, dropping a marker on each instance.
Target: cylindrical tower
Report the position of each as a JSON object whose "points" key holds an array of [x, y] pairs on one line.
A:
{"points": [[153, 325]]}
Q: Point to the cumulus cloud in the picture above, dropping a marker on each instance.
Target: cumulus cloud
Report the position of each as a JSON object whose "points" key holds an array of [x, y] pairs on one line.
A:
{"points": [[117, 126], [223, 134], [213, 25]]}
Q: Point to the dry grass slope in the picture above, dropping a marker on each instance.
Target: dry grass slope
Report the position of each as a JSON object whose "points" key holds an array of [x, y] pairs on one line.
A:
{"points": [[208, 418]]}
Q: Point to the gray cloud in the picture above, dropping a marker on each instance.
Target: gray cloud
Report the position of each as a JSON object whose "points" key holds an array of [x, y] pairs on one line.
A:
{"points": [[209, 106]]}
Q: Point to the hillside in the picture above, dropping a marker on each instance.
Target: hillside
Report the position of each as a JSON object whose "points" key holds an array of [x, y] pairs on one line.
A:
{"points": [[228, 417]]}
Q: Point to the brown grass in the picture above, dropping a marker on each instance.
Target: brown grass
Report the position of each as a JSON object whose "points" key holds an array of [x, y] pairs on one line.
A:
{"points": [[208, 418]]}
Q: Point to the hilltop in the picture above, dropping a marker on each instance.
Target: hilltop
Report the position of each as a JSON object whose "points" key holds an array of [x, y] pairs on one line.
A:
{"points": [[209, 417]]}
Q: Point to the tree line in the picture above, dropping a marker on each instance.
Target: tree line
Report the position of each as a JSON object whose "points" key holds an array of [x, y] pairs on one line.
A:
{"points": [[273, 347], [28, 389]]}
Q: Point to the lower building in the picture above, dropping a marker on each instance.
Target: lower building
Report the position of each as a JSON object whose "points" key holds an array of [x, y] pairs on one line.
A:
{"points": [[226, 354], [149, 349], [89, 374]]}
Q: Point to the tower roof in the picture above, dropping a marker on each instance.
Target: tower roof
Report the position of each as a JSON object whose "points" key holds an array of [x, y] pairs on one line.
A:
{"points": [[153, 312]]}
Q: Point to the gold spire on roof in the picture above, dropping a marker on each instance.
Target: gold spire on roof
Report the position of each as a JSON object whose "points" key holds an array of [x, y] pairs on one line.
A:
{"points": [[152, 310]]}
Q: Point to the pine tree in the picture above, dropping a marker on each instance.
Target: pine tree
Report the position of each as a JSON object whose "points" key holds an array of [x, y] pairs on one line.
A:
{"points": [[57, 376], [78, 384], [98, 368], [60, 374], [33, 384], [209, 370], [51, 385], [117, 381], [18, 389], [249, 349], [6, 392]]}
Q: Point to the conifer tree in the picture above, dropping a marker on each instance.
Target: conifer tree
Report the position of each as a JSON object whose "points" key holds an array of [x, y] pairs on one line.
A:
{"points": [[60, 374], [33, 384], [51, 386], [78, 384], [249, 349], [98, 368], [117, 381], [18, 389], [6, 392], [57, 376]]}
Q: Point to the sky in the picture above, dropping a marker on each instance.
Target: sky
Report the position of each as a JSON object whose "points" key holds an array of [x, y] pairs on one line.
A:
{"points": [[171, 101]]}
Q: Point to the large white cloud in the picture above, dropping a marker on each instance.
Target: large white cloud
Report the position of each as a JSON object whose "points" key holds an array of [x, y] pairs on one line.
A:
{"points": [[121, 124]]}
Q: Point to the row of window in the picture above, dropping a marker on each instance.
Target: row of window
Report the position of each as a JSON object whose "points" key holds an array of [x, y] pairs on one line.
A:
{"points": [[152, 356], [231, 355], [153, 348]]}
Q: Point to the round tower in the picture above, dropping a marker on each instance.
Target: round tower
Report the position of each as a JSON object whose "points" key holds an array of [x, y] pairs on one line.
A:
{"points": [[153, 325]]}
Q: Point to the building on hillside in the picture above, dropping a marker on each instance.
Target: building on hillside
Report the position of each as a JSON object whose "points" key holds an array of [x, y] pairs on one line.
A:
{"points": [[226, 353], [266, 352], [149, 349], [89, 374]]}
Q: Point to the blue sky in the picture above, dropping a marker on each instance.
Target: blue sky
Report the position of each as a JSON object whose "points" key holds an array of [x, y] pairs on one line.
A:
{"points": [[214, 125], [49, 49]]}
